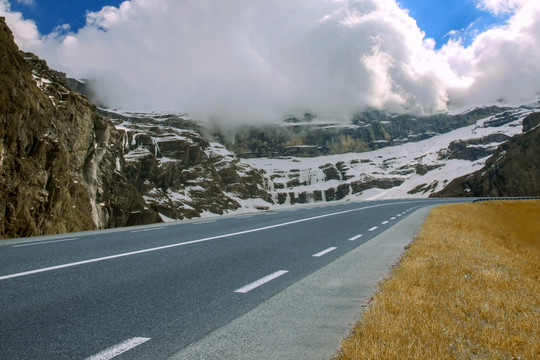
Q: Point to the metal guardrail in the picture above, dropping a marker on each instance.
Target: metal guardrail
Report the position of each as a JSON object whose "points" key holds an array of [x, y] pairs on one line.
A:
{"points": [[508, 198]]}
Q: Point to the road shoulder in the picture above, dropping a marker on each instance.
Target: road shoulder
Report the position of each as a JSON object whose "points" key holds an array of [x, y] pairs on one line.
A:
{"points": [[308, 319]]}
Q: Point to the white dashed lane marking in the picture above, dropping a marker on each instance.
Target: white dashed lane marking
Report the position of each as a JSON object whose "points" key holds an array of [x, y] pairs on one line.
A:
{"points": [[324, 252], [356, 237], [121, 348], [261, 281]]}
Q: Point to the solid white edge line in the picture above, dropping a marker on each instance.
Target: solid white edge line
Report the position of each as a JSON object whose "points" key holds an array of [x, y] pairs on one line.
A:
{"points": [[89, 261], [374, 228], [261, 281], [116, 350], [204, 222], [45, 242], [145, 230], [356, 237], [324, 252]]}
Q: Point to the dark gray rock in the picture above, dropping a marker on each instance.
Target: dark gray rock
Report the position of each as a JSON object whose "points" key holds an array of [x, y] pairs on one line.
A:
{"points": [[513, 170], [531, 121]]}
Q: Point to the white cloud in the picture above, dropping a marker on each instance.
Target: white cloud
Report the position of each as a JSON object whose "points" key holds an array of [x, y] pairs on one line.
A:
{"points": [[27, 2], [109, 16], [24, 31], [244, 60], [503, 63], [500, 7]]}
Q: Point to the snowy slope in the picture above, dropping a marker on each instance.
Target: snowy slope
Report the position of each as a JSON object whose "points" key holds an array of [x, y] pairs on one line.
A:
{"points": [[414, 169]]}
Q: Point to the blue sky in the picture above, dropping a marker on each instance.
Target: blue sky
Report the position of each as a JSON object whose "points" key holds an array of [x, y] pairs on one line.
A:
{"points": [[49, 14], [435, 17], [438, 17]]}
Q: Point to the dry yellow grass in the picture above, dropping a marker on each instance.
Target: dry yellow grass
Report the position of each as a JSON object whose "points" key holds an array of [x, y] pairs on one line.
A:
{"points": [[467, 288]]}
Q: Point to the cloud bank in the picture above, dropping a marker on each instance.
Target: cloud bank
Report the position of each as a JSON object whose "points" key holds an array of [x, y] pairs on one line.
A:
{"points": [[249, 61]]}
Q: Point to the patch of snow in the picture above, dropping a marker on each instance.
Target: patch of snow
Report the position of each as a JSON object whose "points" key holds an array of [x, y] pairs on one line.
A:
{"points": [[118, 165], [166, 218]]}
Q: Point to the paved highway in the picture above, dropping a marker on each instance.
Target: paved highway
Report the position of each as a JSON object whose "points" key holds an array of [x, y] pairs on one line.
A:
{"points": [[148, 292]]}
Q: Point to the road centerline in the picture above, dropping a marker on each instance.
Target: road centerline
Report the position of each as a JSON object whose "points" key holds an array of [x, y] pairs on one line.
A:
{"points": [[373, 228]]}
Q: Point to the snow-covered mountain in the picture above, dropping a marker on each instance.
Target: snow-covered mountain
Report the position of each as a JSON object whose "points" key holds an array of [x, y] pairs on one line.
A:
{"points": [[416, 168], [412, 169]]}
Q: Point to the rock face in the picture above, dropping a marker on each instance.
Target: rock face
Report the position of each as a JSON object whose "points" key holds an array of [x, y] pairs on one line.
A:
{"points": [[473, 149], [513, 170], [180, 173], [57, 171], [370, 130], [531, 121]]}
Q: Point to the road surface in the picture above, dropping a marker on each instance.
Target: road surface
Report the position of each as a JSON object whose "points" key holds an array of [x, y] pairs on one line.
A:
{"points": [[149, 292]]}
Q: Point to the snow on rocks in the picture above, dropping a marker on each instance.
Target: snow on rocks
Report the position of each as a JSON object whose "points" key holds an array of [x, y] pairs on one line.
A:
{"points": [[413, 169]]}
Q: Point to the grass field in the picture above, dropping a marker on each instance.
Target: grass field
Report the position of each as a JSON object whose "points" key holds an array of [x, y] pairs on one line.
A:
{"points": [[468, 287]]}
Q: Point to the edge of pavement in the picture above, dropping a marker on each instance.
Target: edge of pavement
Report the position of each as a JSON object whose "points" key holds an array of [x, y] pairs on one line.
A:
{"points": [[309, 319]]}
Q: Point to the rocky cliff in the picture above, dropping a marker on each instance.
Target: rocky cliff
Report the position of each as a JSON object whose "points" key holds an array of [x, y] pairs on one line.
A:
{"points": [[513, 170], [56, 154], [180, 173]]}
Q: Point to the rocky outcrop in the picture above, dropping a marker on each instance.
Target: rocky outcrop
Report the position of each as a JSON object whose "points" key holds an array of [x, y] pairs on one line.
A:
{"points": [[513, 170], [531, 121], [179, 172], [473, 149], [57, 170]]}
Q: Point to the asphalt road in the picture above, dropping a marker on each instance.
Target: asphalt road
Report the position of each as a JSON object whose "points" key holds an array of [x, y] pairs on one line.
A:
{"points": [[149, 292]]}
